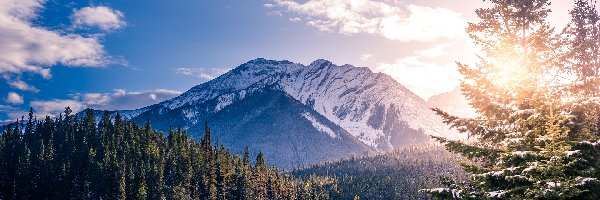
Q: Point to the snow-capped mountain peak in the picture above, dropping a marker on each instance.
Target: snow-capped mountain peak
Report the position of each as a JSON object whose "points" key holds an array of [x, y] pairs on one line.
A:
{"points": [[373, 107], [343, 103]]}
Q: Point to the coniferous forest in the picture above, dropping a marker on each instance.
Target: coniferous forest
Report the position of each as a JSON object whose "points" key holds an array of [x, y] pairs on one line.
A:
{"points": [[398, 174], [79, 158], [536, 134], [72, 158]]}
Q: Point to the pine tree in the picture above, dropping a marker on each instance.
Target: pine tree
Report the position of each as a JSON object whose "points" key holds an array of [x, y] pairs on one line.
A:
{"points": [[524, 141], [224, 173], [259, 177], [240, 179], [581, 38], [73, 158], [208, 156]]}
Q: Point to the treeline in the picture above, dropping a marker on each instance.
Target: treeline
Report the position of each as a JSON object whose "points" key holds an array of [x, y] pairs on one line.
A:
{"points": [[398, 174], [72, 158]]}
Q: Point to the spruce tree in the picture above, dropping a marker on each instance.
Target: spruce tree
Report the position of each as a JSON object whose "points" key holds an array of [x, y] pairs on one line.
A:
{"points": [[526, 142], [581, 39], [259, 177], [72, 157]]}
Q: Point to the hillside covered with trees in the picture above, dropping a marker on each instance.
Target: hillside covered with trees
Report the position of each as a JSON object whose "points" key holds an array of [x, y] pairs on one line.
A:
{"points": [[72, 158], [536, 134], [399, 174]]}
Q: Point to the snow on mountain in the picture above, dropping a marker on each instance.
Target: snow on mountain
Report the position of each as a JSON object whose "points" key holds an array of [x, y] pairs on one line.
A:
{"points": [[372, 107], [289, 133], [320, 126]]}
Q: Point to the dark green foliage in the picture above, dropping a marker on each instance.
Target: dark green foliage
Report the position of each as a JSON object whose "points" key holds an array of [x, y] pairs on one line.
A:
{"points": [[71, 158], [399, 174]]}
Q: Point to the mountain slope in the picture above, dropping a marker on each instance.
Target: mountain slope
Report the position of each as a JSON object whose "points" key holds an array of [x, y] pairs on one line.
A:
{"points": [[372, 106], [290, 133], [397, 174], [371, 109], [453, 102]]}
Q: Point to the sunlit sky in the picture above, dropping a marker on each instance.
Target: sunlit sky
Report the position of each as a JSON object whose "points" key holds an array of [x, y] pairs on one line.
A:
{"points": [[127, 54]]}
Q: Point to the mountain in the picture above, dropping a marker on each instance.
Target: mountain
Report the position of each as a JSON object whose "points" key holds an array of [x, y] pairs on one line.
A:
{"points": [[299, 114], [289, 132], [453, 102]]}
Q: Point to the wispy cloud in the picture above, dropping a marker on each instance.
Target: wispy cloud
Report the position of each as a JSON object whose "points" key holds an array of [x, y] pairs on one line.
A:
{"points": [[295, 19], [395, 21], [436, 51], [28, 48], [21, 85], [102, 17], [203, 73], [119, 99], [365, 57], [51, 108]]}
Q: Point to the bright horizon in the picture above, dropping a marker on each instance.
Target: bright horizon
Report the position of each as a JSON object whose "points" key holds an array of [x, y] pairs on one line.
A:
{"points": [[126, 54]]}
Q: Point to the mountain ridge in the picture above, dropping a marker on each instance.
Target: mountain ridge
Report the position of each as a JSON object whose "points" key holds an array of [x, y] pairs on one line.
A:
{"points": [[371, 107]]}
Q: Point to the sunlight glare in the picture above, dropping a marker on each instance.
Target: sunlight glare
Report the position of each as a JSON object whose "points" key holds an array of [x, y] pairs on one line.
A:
{"points": [[508, 67]]}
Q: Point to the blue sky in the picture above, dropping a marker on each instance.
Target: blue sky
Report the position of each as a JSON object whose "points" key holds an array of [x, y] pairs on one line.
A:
{"points": [[128, 53]]}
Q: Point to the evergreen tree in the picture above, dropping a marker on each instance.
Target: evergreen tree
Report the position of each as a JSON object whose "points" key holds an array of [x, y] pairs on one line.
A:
{"points": [[528, 139], [259, 177], [75, 158], [581, 39]]}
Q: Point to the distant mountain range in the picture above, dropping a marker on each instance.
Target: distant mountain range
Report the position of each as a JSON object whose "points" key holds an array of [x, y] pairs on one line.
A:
{"points": [[453, 102], [299, 114]]}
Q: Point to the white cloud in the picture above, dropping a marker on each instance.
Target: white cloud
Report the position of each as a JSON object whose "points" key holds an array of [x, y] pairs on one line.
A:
{"points": [[436, 51], [274, 13], [268, 5], [51, 108], [14, 98], [421, 74], [424, 79], [365, 57], [119, 99], [22, 85], [102, 17], [55, 106], [27, 48], [203, 73], [295, 19], [393, 21]]}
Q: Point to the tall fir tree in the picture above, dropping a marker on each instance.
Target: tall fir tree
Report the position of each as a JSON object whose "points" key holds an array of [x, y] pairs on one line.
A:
{"points": [[76, 158], [527, 141]]}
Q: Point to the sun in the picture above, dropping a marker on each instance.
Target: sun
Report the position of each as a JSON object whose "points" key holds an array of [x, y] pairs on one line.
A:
{"points": [[508, 66], [508, 73]]}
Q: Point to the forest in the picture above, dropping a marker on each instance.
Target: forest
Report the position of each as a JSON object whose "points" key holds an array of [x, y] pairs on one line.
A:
{"points": [[72, 158], [536, 135], [398, 174]]}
